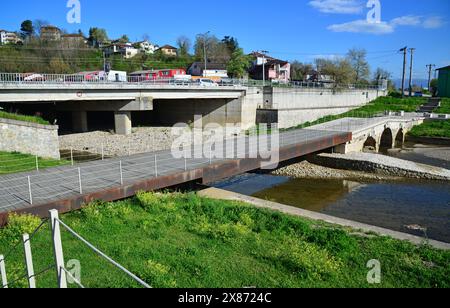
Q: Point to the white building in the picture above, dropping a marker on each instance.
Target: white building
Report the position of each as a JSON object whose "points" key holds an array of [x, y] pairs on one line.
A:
{"points": [[146, 47], [7, 37], [126, 50]]}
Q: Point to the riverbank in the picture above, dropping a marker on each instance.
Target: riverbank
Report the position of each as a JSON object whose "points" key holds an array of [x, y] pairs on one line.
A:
{"points": [[357, 227], [361, 166], [184, 240]]}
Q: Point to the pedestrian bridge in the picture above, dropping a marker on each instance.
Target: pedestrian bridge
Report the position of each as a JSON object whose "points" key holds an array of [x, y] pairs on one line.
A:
{"points": [[373, 134]]}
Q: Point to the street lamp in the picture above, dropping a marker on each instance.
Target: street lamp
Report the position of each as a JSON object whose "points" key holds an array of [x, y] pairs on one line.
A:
{"points": [[205, 36]]}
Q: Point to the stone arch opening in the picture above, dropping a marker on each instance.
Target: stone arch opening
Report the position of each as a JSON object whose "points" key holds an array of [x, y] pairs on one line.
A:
{"points": [[386, 141], [370, 145], [400, 138]]}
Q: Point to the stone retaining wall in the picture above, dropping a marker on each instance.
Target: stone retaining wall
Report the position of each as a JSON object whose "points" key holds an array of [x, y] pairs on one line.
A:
{"points": [[29, 138]]}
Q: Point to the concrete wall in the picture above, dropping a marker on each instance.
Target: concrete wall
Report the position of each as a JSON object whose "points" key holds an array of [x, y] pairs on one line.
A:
{"points": [[29, 138], [293, 107], [221, 111]]}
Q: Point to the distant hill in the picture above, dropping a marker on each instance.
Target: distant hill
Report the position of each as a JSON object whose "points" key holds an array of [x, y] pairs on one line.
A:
{"points": [[420, 82]]}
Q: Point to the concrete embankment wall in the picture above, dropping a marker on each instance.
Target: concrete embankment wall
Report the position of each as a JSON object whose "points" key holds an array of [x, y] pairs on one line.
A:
{"points": [[291, 107], [29, 138]]}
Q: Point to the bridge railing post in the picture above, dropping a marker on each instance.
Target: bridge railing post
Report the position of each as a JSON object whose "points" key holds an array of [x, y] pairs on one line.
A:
{"points": [[29, 261], [58, 249], [3, 272]]}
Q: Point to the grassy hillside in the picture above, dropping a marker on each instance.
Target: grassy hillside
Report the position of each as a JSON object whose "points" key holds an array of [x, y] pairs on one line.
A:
{"points": [[25, 118], [182, 240], [440, 129], [378, 106], [17, 162]]}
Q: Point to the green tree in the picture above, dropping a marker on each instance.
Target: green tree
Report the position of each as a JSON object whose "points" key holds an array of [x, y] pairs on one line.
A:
{"points": [[299, 71], [434, 86], [239, 64], [27, 29], [357, 59], [124, 39], [184, 45], [339, 69], [231, 44], [96, 36]]}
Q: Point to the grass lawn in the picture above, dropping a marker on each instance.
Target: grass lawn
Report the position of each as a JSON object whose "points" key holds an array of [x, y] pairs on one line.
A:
{"points": [[445, 106], [17, 162], [182, 240], [439, 129], [25, 118], [378, 106]]}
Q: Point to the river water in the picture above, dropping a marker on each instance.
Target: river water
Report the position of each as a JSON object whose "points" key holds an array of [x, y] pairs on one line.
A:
{"points": [[416, 207]]}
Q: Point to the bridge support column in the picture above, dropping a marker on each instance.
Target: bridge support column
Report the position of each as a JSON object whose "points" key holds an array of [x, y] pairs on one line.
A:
{"points": [[79, 121], [122, 120]]}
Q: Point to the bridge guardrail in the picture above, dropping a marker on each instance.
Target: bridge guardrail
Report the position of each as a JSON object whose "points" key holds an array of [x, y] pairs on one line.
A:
{"points": [[38, 78]]}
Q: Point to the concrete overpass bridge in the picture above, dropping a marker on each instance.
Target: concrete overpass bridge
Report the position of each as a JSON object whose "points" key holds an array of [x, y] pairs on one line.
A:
{"points": [[74, 100], [171, 103]]}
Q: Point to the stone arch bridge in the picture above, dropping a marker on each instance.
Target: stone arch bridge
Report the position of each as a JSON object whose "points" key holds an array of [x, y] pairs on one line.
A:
{"points": [[374, 134]]}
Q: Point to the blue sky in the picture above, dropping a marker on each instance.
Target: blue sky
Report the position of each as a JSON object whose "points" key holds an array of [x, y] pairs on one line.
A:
{"points": [[289, 29]]}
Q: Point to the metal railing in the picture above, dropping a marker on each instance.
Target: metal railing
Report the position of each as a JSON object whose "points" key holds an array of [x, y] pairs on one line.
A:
{"points": [[74, 79], [56, 224]]}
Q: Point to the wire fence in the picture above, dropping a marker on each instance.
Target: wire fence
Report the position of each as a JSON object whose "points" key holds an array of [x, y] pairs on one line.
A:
{"points": [[63, 275], [42, 79]]}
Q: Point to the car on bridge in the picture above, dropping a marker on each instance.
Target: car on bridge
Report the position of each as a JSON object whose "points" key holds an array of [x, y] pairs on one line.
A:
{"points": [[204, 82]]}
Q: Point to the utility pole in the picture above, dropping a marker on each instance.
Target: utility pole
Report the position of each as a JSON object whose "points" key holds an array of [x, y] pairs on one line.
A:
{"points": [[411, 50], [205, 37], [264, 52], [404, 50], [430, 68]]}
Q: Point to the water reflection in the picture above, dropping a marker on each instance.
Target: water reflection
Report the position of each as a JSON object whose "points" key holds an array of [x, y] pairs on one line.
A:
{"points": [[392, 205]]}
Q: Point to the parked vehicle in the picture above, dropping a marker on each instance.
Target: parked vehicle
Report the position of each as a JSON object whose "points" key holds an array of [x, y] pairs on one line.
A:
{"points": [[204, 82], [226, 82], [418, 94]]}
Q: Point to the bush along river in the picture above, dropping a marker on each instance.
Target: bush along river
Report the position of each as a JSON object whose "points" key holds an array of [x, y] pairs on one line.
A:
{"points": [[412, 206]]}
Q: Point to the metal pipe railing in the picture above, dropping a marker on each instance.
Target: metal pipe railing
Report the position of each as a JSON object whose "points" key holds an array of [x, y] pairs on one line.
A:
{"points": [[94, 78]]}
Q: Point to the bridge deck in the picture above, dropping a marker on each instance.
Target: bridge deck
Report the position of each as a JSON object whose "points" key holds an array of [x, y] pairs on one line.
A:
{"points": [[60, 187], [356, 125]]}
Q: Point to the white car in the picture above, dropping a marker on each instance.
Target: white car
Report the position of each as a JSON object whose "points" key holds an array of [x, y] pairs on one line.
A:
{"points": [[203, 82]]}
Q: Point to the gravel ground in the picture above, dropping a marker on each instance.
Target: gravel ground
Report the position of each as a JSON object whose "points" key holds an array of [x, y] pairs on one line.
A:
{"points": [[140, 141], [384, 165], [362, 166], [306, 169]]}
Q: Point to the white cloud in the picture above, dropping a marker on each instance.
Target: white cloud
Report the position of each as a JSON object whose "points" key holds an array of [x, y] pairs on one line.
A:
{"points": [[433, 22], [338, 6], [409, 20], [362, 26], [322, 56]]}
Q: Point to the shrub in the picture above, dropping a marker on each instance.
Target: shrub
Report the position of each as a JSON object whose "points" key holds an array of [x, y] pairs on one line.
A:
{"points": [[19, 224]]}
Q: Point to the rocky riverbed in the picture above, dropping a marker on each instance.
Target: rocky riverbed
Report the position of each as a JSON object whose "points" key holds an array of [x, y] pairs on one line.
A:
{"points": [[306, 169], [362, 166], [145, 139]]}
